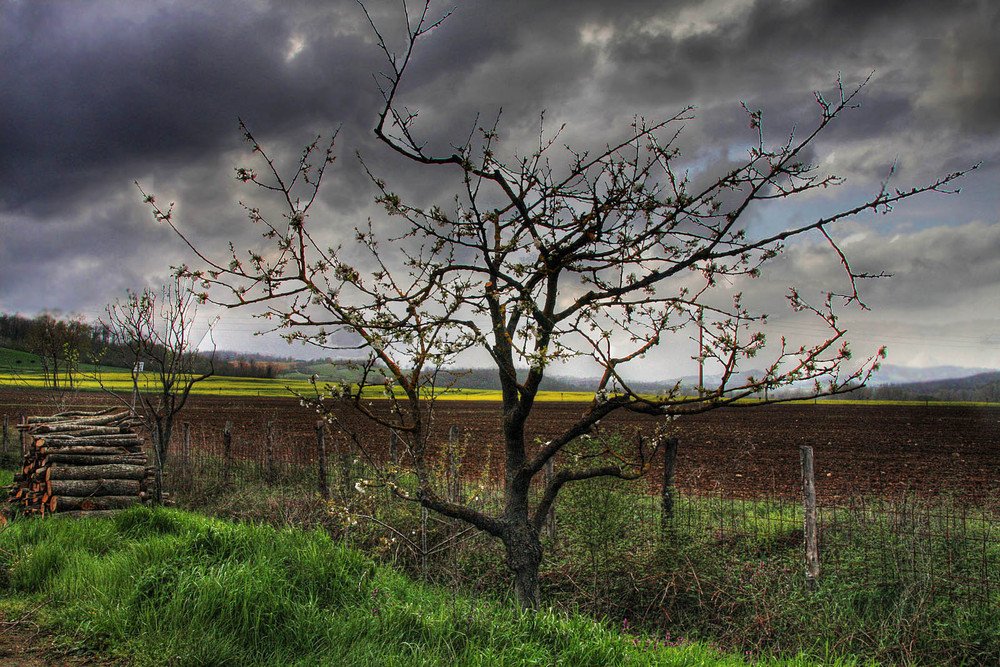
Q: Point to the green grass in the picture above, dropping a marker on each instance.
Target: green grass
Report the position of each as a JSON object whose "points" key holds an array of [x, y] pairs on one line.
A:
{"points": [[904, 585], [725, 581], [15, 359], [158, 587]]}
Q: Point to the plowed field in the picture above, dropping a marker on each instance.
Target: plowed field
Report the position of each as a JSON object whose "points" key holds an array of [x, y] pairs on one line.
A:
{"points": [[742, 452]]}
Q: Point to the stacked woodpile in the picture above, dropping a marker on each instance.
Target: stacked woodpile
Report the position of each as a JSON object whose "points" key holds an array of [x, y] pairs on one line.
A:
{"points": [[81, 463]]}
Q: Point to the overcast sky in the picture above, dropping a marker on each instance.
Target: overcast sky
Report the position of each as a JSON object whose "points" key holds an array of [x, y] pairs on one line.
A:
{"points": [[98, 94]]}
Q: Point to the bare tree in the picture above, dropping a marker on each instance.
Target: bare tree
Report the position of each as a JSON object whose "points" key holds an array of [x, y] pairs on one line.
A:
{"points": [[605, 256], [157, 328], [58, 342]]}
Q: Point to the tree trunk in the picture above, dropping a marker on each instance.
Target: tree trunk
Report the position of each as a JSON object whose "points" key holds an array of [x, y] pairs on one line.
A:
{"points": [[524, 556]]}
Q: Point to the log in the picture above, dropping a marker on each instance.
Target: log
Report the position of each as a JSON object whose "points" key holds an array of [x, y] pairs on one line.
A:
{"points": [[86, 449], [93, 487], [79, 462], [88, 460], [70, 422], [77, 429], [117, 471], [69, 503], [86, 514], [75, 414], [119, 438]]}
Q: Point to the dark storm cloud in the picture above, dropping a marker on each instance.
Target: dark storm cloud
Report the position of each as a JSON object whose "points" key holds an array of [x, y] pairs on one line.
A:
{"points": [[99, 93], [92, 87], [80, 264], [774, 54]]}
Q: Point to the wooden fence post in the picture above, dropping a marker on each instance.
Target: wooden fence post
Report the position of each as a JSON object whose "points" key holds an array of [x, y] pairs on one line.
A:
{"points": [[186, 453], [324, 485], [270, 474], [395, 441], [809, 522], [453, 464], [22, 420], [4, 455], [158, 465], [227, 452], [423, 541], [550, 520], [346, 469], [669, 446]]}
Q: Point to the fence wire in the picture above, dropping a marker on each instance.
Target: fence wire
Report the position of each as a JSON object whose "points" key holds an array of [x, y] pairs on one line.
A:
{"points": [[942, 543]]}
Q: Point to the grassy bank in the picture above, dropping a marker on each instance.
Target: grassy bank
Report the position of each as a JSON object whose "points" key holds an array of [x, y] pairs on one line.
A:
{"points": [[909, 584], [912, 581], [168, 587]]}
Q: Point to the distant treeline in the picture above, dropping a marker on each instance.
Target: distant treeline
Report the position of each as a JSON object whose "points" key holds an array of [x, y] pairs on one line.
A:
{"points": [[63, 343], [487, 378], [980, 388]]}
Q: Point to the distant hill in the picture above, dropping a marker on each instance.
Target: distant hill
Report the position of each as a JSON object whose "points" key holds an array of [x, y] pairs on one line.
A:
{"points": [[981, 387], [890, 374]]}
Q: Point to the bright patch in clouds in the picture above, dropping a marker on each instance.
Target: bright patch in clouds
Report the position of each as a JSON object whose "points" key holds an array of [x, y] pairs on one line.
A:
{"points": [[296, 44], [700, 19]]}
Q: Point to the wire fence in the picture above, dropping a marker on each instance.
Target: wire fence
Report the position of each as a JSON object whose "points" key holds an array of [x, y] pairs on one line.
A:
{"points": [[946, 544]]}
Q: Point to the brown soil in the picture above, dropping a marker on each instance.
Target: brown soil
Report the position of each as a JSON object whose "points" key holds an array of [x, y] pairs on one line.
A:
{"points": [[24, 645], [859, 449]]}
